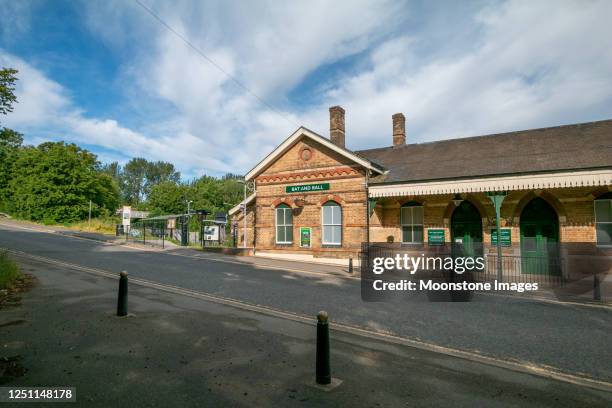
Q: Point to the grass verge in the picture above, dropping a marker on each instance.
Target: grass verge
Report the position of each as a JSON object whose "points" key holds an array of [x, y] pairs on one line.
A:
{"points": [[9, 271], [100, 225]]}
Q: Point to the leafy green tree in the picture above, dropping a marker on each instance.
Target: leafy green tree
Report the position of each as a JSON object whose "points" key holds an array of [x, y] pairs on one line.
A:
{"points": [[133, 177], [168, 197], [55, 181], [10, 142], [7, 90], [113, 170], [159, 172], [139, 176]]}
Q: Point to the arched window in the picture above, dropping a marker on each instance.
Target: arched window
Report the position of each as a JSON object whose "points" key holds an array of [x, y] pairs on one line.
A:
{"points": [[603, 219], [284, 224], [411, 218], [332, 223]]}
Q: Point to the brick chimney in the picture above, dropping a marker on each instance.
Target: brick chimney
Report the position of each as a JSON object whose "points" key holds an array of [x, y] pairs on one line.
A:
{"points": [[399, 129], [336, 125]]}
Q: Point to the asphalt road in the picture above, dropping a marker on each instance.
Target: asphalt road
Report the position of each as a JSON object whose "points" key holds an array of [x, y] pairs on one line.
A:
{"points": [[175, 350], [567, 337]]}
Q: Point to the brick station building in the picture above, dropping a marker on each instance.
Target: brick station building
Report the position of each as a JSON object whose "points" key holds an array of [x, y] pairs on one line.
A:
{"points": [[313, 196]]}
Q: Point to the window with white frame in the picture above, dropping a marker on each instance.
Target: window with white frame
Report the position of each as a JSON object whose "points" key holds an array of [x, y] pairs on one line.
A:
{"points": [[332, 223], [603, 219], [284, 224], [412, 223]]}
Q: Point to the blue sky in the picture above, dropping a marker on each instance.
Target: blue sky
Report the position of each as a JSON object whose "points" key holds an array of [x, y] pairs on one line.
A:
{"points": [[108, 76]]}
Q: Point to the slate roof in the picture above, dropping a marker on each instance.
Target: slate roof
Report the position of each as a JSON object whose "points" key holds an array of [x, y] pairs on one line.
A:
{"points": [[568, 147]]}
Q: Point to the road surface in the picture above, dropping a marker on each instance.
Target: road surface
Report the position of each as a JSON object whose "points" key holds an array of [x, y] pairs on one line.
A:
{"points": [[569, 338]]}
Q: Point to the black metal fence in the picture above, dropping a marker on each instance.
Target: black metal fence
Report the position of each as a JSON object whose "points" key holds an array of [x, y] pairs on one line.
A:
{"points": [[544, 270], [148, 232], [156, 232]]}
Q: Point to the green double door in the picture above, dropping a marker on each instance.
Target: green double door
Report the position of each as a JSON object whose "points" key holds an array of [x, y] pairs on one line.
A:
{"points": [[466, 230], [539, 239]]}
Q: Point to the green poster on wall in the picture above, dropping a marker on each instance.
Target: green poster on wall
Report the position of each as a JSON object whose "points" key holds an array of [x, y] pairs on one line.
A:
{"points": [[305, 233], [435, 236], [505, 235]]}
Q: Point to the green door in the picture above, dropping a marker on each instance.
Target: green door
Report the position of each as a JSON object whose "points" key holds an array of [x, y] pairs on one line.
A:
{"points": [[540, 239], [466, 230]]}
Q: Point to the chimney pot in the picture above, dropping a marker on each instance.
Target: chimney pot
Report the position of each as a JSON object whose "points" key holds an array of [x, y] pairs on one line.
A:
{"points": [[336, 125], [399, 129]]}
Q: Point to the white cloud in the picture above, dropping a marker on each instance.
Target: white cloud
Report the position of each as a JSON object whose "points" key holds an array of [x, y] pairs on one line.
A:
{"points": [[510, 66], [535, 65]]}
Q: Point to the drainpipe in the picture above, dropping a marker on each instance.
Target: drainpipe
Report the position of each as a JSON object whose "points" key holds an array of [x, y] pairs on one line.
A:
{"points": [[367, 191]]}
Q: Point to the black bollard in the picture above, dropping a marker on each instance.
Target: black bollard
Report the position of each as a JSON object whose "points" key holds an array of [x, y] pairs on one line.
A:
{"points": [[323, 358], [596, 288], [351, 265], [123, 292]]}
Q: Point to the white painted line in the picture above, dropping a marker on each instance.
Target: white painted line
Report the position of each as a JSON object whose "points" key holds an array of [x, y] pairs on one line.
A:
{"points": [[518, 366]]}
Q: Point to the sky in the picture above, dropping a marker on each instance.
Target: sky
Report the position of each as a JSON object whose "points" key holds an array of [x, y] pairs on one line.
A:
{"points": [[112, 78]]}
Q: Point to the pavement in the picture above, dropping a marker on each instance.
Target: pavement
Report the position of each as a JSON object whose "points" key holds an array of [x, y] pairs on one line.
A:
{"points": [[543, 336], [176, 350]]}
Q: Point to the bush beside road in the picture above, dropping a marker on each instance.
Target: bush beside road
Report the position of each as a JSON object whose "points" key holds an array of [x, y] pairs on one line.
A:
{"points": [[9, 271]]}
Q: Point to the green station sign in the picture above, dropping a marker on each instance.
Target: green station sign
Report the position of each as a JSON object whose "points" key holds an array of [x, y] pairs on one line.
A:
{"points": [[306, 188], [505, 235], [435, 236]]}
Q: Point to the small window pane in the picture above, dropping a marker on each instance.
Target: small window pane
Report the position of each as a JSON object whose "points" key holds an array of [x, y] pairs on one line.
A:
{"points": [[336, 215], [337, 234], [603, 210], [327, 215], [288, 216], [406, 234], [288, 234], [417, 233], [604, 233], [327, 234], [417, 215], [280, 234], [406, 215]]}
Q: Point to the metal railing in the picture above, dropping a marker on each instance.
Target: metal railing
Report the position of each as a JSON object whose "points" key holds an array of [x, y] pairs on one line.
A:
{"points": [[544, 270], [148, 232]]}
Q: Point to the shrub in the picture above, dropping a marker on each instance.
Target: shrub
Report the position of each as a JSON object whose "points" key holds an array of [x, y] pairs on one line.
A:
{"points": [[9, 271]]}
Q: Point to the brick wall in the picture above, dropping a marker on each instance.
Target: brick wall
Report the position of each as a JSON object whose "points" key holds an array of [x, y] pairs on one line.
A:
{"points": [[308, 162], [574, 207], [317, 165]]}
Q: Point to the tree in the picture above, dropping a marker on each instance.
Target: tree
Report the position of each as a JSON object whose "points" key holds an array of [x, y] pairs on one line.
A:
{"points": [[133, 179], [55, 181], [7, 90], [159, 172], [10, 142], [139, 176], [168, 197], [113, 170]]}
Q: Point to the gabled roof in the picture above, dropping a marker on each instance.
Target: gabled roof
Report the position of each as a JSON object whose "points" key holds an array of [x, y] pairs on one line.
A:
{"points": [[554, 149], [304, 132]]}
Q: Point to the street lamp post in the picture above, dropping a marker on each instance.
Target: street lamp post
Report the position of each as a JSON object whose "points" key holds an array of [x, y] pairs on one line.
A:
{"points": [[497, 197]]}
